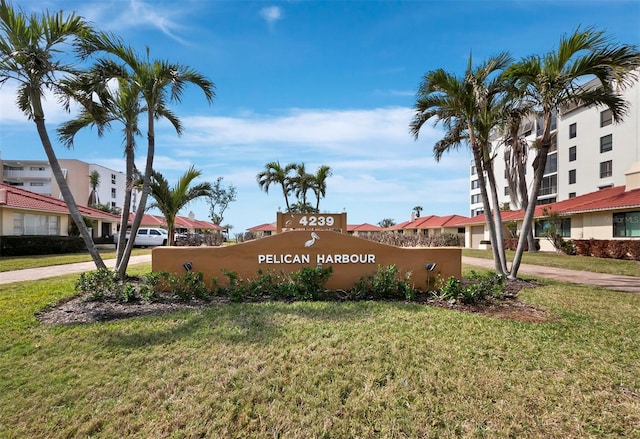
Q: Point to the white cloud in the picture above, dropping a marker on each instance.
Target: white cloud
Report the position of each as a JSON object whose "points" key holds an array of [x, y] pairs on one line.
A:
{"points": [[11, 114], [271, 14]]}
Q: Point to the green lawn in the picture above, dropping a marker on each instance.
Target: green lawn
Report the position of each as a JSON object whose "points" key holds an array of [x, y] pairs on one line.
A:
{"points": [[582, 263], [311, 370], [10, 263]]}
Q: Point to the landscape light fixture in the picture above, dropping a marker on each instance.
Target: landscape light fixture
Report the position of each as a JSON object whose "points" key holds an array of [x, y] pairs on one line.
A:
{"points": [[187, 266], [430, 266]]}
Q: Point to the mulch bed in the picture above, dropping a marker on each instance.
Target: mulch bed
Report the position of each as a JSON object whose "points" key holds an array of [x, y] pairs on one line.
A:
{"points": [[82, 310]]}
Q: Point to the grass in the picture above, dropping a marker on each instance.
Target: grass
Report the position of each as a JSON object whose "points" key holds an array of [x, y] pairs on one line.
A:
{"points": [[582, 263], [313, 370], [10, 263]]}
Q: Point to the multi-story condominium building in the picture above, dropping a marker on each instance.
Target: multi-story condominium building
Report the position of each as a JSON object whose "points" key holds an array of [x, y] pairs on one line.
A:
{"points": [[590, 152], [37, 176]]}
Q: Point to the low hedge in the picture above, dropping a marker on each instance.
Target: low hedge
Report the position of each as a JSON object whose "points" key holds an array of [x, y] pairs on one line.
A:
{"points": [[609, 248], [40, 245]]}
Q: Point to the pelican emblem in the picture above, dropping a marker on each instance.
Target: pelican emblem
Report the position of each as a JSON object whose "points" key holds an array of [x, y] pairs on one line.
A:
{"points": [[312, 241]]}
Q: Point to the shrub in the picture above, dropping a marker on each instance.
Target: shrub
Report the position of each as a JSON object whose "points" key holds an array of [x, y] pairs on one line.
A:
{"points": [[582, 247], [386, 283], [476, 288], [99, 284], [616, 249], [40, 245], [599, 248], [309, 282]]}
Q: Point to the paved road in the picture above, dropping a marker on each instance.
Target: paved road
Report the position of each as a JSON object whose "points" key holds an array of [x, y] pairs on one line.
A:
{"points": [[57, 270], [609, 281], [615, 282]]}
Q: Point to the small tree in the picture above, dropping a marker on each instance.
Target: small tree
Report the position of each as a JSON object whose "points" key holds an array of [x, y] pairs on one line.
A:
{"points": [[418, 210], [220, 199], [170, 200], [553, 232]]}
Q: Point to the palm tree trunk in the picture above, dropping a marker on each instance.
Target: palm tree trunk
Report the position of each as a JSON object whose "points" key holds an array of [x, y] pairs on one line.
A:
{"points": [[497, 220], [126, 207], [66, 193], [477, 155], [146, 189], [539, 164], [286, 198]]}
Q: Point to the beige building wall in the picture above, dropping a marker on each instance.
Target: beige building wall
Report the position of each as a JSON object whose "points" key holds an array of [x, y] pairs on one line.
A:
{"points": [[77, 176]]}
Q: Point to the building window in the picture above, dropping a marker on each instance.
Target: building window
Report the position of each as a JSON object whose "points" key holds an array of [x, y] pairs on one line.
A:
{"points": [[113, 178], [572, 194], [626, 224], [549, 185], [113, 192], [572, 154], [475, 199], [606, 143], [474, 171], [572, 176], [552, 164], [36, 168], [573, 130], [36, 183], [563, 228], [606, 169], [506, 190], [545, 201], [113, 204], [475, 184], [606, 118], [28, 224]]}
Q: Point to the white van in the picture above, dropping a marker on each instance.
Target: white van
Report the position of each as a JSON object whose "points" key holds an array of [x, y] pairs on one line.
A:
{"points": [[147, 236]]}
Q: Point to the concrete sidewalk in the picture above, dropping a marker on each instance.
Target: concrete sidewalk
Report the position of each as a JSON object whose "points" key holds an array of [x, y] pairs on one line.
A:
{"points": [[616, 282], [58, 270], [609, 281]]}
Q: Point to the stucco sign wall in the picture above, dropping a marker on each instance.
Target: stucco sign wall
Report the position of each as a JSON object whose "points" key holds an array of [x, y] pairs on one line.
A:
{"points": [[350, 258]]}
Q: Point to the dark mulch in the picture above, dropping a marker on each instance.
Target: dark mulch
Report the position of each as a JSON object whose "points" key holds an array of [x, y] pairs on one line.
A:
{"points": [[81, 309]]}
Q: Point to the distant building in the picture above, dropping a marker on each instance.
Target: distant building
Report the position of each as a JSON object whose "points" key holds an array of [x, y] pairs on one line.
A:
{"points": [[37, 176], [590, 152]]}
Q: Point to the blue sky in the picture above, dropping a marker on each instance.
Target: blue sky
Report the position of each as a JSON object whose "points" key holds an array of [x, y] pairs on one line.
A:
{"points": [[320, 82]]}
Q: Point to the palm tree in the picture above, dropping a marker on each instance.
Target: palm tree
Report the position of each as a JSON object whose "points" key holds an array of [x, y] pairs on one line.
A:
{"points": [[120, 105], [468, 108], [28, 50], [418, 211], [94, 182], [319, 184], [170, 200], [516, 152], [300, 183], [386, 222], [551, 82], [274, 173], [158, 83]]}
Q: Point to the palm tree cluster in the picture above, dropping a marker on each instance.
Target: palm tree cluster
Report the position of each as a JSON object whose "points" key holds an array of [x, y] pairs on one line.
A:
{"points": [[171, 199], [29, 50], [294, 179], [494, 97]]}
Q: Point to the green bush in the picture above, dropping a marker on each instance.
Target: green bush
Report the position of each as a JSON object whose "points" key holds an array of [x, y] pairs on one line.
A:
{"points": [[100, 284], [40, 245], [386, 283], [476, 288]]}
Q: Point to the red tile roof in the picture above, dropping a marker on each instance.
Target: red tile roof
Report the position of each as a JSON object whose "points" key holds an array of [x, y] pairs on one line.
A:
{"points": [[365, 227], [181, 221], [16, 198], [267, 227], [612, 198]]}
